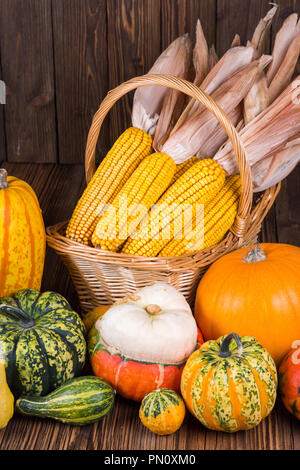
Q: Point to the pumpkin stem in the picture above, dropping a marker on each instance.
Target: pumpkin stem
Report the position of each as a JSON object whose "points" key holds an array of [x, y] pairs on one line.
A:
{"points": [[255, 255], [224, 349], [3, 179], [153, 309]]}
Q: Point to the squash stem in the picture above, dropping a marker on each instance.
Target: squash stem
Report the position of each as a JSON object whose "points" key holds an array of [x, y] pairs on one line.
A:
{"points": [[224, 349], [153, 309], [3, 179], [255, 255]]}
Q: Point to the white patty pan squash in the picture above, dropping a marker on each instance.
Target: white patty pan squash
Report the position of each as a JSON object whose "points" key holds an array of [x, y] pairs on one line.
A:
{"points": [[143, 341]]}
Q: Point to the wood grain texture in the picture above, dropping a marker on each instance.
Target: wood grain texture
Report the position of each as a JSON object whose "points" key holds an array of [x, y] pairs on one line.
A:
{"points": [[133, 46], [2, 124], [188, 11], [234, 16], [27, 69], [122, 428], [81, 75]]}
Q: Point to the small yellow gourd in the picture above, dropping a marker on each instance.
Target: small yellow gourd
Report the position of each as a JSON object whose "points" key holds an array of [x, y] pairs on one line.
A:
{"points": [[6, 398], [162, 411]]}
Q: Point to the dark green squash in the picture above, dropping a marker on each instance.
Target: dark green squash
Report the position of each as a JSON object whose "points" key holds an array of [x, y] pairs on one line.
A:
{"points": [[79, 401], [43, 341]]}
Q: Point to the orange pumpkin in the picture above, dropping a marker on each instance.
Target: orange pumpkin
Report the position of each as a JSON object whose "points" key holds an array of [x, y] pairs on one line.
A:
{"points": [[22, 236], [289, 380], [253, 293]]}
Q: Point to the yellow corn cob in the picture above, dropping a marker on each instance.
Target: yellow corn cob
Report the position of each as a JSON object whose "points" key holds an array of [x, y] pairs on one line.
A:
{"points": [[118, 165], [183, 167], [199, 185], [143, 188], [219, 215]]}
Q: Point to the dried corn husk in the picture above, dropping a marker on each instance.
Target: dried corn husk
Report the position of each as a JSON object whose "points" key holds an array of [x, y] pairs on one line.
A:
{"points": [[200, 55], [236, 41], [275, 168], [148, 101], [260, 33], [172, 107], [269, 124], [173, 102], [257, 99], [202, 64], [214, 140], [212, 58], [287, 33], [190, 137], [286, 70], [233, 60], [269, 132]]}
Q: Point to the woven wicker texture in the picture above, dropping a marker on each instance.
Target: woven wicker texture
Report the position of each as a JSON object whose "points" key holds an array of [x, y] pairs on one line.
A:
{"points": [[103, 277]]}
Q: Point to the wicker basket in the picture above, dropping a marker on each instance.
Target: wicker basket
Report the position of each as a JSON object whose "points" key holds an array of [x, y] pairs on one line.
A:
{"points": [[102, 277]]}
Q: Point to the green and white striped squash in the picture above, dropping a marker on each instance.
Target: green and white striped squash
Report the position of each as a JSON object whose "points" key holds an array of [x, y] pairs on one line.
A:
{"points": [[230, 384], [80, 401], [43, 341], [162, 411]]}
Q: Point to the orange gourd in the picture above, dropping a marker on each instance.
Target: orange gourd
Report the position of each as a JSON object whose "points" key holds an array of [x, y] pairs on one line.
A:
{"points": [[230, 384], [22, 236], [143, 341], [253, 293], [289, 380], [162, 411]]}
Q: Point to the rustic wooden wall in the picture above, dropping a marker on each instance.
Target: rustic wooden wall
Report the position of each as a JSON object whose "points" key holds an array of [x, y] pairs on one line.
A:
{"points": [[58, 59]]}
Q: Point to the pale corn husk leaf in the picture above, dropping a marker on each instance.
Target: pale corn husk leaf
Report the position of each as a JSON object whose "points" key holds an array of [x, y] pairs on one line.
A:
{"points": [[173, 102], [236, 41], [257, 99], [268, 132], [256, 54], [280, 105], [286, 70], [275, 168], [200, 55], [233, 60], [190, 137], [148, 101], [212, 58], [262, 144], [214, 140], [173, 105], [261, 30], [287, 33]]}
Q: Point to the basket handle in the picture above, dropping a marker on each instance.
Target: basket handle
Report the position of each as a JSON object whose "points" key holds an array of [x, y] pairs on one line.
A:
{"points": [[240, 225]]}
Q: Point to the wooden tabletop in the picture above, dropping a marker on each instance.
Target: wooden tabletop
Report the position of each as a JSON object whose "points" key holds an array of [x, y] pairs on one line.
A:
{"points": [[58, 188]]}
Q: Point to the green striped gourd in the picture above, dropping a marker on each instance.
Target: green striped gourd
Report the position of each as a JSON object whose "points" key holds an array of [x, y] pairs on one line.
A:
{"points": [[43, 341], [162, 411], [230, 385], [80, 401]]}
